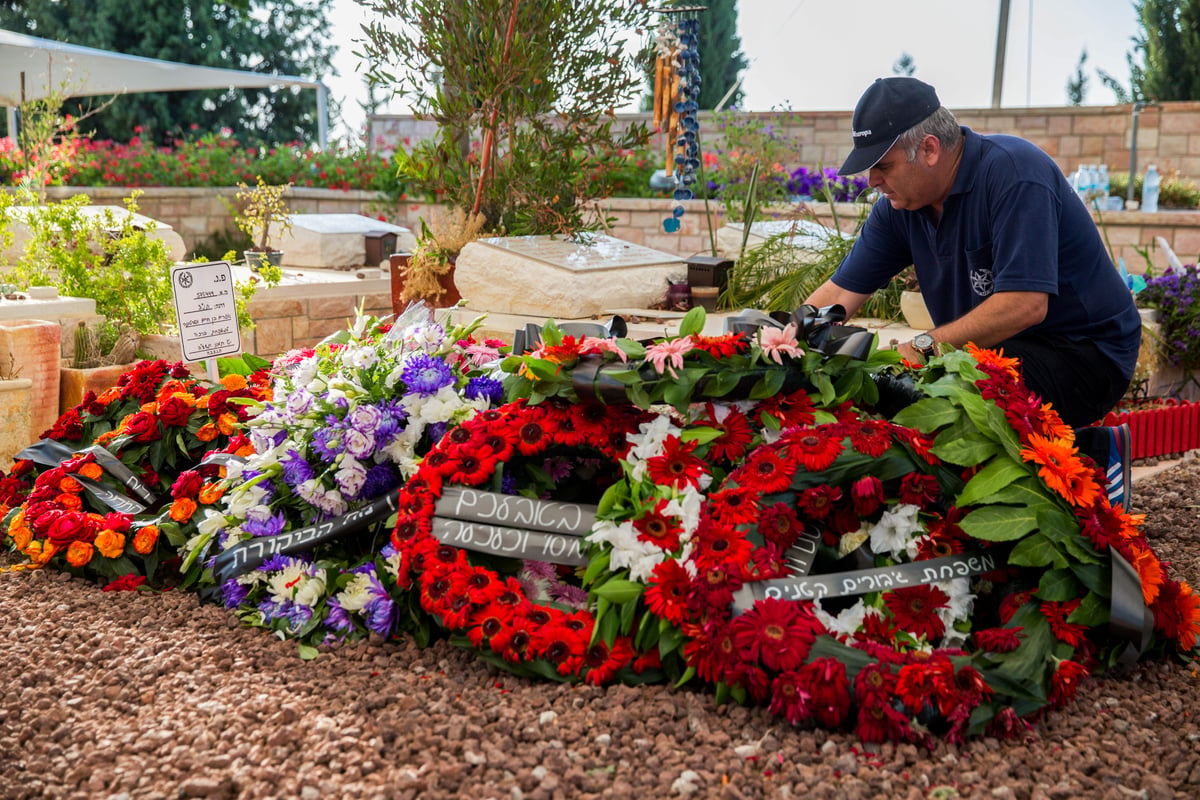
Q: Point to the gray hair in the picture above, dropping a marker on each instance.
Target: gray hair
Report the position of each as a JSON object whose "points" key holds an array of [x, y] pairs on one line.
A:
{"points": [[940, 123]]}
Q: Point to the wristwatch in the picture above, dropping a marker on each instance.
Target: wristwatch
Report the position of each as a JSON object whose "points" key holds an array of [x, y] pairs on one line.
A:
{"points": [[924, 344]]}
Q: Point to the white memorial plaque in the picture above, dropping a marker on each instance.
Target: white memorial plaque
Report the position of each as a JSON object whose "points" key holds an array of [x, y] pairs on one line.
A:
{"points": [[206, 310], [803, 234]]}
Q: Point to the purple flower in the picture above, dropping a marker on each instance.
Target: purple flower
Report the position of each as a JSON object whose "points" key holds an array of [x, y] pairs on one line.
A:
{"points": [[233, 593], [268, 526], [483, 388], [425, 375], [338, 618], [381, 478], [436, 431], [295, 469], [327, 443]]}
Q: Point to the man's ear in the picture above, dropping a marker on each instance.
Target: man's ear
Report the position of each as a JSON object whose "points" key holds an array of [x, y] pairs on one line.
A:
{"points": [[931, 150]]}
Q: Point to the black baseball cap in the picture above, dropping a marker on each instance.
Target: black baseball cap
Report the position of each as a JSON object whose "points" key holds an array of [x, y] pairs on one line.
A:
{"points": [[888, 108]]}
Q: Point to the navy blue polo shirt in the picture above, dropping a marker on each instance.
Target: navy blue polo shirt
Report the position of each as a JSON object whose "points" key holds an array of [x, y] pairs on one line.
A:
{"points": [[1011, 223]]}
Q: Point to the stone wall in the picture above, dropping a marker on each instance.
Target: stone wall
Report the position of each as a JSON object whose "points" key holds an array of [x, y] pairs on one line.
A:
{"points": [[198, 213], [299, 316], [1168, 134]]}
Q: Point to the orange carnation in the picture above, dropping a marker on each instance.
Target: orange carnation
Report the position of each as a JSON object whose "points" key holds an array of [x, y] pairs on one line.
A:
{"points": [[145, 539], [110, 543], [234, 383], [207, 432], [79, 553], [182, 509]]}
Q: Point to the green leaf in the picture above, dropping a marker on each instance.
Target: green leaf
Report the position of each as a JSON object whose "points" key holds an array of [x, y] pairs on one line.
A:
{"points": [[928, 415], [613, 495], [618, 591], [1029, 660], [768, 386], [1036, 550], [1093, 610], [670, 638], [965, 451], [1094, 577], [1058, 585], [307, 652], [989, 480], [595, 567], [999, 523], [692, 322]]}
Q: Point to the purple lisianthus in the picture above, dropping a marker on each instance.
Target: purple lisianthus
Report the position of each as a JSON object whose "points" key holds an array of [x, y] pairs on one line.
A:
{"points": [[425, 375], [358, 443], [365, 418], [484, 388]]}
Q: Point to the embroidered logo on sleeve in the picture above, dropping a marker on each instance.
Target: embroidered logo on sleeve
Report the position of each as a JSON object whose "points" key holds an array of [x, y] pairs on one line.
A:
{"points": [[981, 281]]}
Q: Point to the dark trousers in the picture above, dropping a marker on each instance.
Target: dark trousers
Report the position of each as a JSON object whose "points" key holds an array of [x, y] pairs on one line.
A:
{"points": [[1074, 376]]}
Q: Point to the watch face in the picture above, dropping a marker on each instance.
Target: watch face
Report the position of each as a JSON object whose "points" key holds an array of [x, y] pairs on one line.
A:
{"points": [[922, 342]]}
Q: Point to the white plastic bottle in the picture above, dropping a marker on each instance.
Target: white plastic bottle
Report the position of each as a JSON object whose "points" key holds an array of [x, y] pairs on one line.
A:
{"points": [[1150, 189], [1104, 184]]}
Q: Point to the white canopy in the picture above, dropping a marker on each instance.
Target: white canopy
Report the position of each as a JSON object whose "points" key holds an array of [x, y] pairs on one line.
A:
{"points": [[47, 66]]}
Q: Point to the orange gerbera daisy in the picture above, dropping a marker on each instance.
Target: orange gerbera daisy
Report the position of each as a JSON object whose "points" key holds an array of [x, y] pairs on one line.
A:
{"points": [[993, 358], [1053, 427], [1059, 466], [1149, 569], [108, 395]]}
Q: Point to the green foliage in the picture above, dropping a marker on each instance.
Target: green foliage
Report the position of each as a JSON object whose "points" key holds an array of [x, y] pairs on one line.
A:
{"points": [[1173, 192], [102, 256], [1077, 83], [287, 37], [541, 102], [1169, 46], [779, 275], [747, 141]]}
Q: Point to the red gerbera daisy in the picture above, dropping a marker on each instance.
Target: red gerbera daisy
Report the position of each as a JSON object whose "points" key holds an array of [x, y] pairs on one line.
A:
{"points": [[874, 682], [867, 495], [720, 546], [676, 466], [789, 697], [998, 640], [819, 501], [917, 489], [659, 528], [779, 525], [1177, 613], [1011, 603], [791, 410], [491, 624], [871, 437], [736, 434], [775, 632], [915, 610], [878, 721], [602, 662], [1064, 682], [666, 594], [1056, 613], [815, 448], [711, 650], [767, 471], [730, 344], [825, 681], [734, 505]]}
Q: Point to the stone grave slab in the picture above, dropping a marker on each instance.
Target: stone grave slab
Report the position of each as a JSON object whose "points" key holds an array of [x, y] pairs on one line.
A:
{"points": [[804, 234], [335, 241], [553, 276], [18, 222]]}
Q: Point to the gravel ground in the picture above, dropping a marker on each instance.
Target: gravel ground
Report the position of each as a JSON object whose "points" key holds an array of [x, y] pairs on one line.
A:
{"points": [[140, 695]]}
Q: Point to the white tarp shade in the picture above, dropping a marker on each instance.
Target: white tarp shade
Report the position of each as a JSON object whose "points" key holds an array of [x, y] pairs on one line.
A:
{"points": [[85, 71]]}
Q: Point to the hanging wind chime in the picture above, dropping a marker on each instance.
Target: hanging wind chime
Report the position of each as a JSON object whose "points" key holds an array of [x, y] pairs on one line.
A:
{"points": [[676, 102]]}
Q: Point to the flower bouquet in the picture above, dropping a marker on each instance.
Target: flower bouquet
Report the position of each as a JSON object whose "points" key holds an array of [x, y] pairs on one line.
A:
{"points": [[108, 465], [350, 420], [950, 568]]}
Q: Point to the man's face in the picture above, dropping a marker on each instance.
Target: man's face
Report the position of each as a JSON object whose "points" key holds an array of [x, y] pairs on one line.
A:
{"points": [[907, 185]]}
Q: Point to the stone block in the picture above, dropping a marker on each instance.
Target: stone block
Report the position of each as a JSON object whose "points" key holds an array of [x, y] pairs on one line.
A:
{"points": [[335, 241], [554, 277], [32, 348], [273, 336], [19, 224], [337, 306], [76, 383]]}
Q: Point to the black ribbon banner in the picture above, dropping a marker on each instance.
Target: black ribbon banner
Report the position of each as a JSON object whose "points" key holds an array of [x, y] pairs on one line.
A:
{"points": [[246, 556], [52, 453], [480, 521], [863, 581]]}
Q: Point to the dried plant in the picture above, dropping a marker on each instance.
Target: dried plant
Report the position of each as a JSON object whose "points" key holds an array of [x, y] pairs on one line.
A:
{"points": [[439, 243], [10, 371]]}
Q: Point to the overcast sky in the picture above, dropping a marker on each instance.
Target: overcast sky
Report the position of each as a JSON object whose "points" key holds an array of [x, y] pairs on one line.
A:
{"points": [[821, 54]]}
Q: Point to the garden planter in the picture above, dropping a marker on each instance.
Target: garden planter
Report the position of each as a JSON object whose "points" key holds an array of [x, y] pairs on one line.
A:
{"points": [[396, 265], [32, 348], [912, 306], [1169, 429], [76, 383], [16, 419]]}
